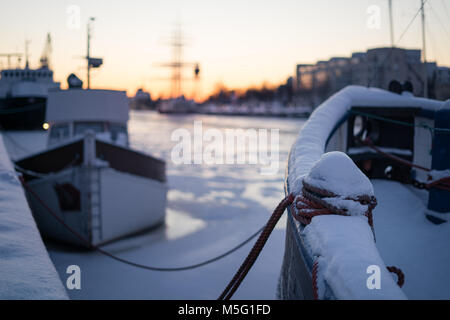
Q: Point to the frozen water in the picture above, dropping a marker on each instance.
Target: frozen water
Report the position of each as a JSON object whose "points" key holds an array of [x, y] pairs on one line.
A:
{"points": [[211, 208]]}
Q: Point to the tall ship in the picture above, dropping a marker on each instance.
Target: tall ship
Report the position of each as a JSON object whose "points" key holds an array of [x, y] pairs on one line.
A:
{"points": [[24, 91]]}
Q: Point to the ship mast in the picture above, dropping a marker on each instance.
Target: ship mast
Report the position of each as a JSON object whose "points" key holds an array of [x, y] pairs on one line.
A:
{"points": [[177, 64], [425, 76], [89, 52], [27, 63], [391, 23], [91, 62]]}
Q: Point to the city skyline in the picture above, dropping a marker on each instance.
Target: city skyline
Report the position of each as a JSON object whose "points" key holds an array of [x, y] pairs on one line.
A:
{"points": [[239, 45]]}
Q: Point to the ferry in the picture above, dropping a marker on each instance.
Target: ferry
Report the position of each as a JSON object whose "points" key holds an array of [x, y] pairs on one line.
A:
{"points": [[23, 94]]}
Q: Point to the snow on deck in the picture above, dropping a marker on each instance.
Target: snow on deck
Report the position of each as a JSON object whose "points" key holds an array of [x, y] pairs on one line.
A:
{"points": [[26, 271], [406, 239]]}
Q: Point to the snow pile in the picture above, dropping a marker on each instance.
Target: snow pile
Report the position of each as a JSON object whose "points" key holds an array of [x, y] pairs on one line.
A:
{"points": [[438, 174], [336, 172], [26, 271], [347, 254], [343, 245]]}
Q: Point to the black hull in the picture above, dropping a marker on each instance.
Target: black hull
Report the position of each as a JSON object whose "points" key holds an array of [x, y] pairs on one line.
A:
{"points": [[22, 113]]}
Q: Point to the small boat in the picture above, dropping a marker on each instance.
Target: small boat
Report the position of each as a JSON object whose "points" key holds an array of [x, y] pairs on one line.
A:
{"points": [[370, 173], [88, 175]]}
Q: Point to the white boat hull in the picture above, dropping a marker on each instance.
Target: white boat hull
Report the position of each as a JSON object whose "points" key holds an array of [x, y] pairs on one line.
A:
{"points": [[113, 205]]}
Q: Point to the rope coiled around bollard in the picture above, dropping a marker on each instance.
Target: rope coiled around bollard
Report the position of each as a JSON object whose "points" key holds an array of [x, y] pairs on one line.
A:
{"points": [[311, 204]]}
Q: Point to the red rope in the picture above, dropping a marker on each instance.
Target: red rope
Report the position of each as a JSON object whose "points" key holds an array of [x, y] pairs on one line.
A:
{"points": [[315, 270], [234, 284], [399, 273], [370, 144], [443, 183]]}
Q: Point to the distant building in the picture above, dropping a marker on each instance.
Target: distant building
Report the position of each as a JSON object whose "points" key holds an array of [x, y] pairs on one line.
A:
{"points": [[442, 83], [142, 100], [377, 67]]}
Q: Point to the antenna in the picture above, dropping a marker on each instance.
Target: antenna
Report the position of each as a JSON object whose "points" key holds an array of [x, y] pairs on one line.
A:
{"points": [[91, 62], [27, 64], [425, 76], [9, 55], [45, 57], [391, 23]]}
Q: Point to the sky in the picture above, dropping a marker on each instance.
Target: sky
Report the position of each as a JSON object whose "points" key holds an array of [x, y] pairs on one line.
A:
{"points": [[238, 43]]}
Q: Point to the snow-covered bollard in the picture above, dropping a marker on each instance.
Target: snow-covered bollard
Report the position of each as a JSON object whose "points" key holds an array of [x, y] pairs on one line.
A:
{"points": [[335, 200], [335, 185]]}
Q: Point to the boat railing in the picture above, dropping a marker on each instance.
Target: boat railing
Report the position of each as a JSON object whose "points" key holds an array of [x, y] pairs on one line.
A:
{"points": [[392, 128]]}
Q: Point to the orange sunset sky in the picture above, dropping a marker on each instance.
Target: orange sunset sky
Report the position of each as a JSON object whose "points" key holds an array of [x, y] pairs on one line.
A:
{"points": [[237, 43]]}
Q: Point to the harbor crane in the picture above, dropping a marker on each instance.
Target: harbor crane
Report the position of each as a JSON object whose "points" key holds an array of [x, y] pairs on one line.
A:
{"points": [[9, 55], [46, 53]]}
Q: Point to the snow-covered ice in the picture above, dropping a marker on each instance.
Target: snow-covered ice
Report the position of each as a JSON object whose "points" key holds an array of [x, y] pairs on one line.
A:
{"points": [[26, 271], [211, 208]]}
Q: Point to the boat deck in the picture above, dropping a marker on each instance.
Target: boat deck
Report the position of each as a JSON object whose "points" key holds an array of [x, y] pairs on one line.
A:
{"points": [[406, 239]]}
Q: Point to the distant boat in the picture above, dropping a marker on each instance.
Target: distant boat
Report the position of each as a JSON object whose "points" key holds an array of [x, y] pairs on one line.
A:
{"points": [[88, 175], [177, 106], [141, 100], [401, 143], [23, 93]]}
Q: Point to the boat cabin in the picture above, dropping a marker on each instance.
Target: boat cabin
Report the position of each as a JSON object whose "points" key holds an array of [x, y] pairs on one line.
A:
{"points": [[72, 113]]}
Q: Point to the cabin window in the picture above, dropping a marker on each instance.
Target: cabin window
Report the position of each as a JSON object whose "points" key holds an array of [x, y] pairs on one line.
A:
{"points": [[82, 127], [59, 131], [117, 128], [118, 132]]}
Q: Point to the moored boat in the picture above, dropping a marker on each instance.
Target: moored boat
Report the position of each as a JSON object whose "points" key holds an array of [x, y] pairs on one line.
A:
{"points": [[89, 176], [340, 245]]}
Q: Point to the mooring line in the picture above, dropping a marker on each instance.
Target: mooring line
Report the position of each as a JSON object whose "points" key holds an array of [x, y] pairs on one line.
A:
{"points": [[125, 261]]}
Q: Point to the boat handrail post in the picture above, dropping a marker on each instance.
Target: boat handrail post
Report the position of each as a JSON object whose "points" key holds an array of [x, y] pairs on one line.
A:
{"points": [[89, 149], [439, 200]]}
